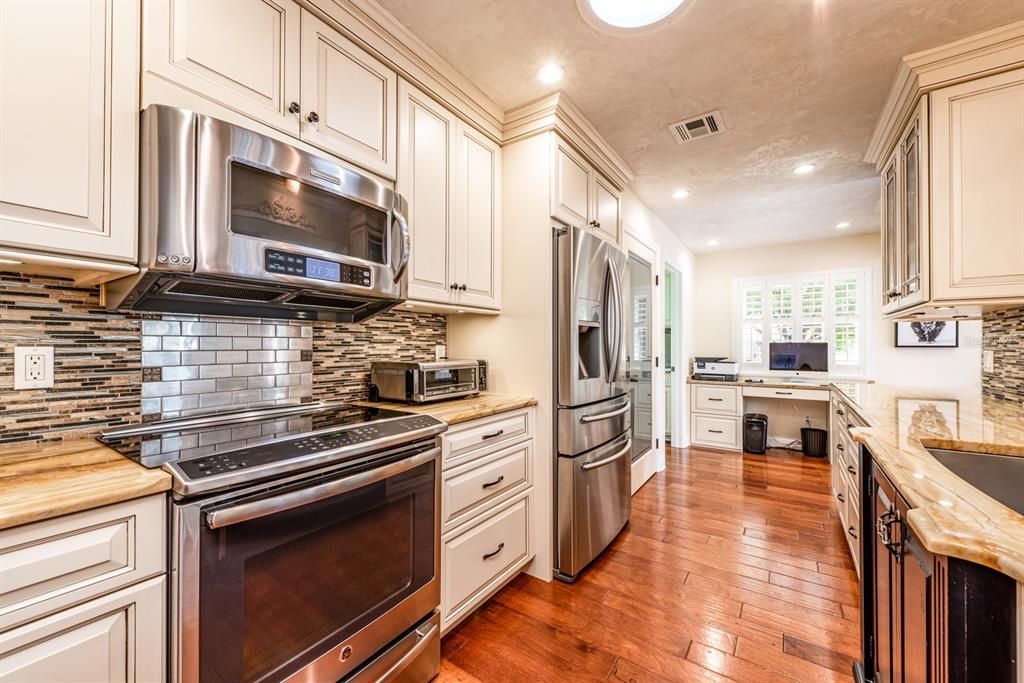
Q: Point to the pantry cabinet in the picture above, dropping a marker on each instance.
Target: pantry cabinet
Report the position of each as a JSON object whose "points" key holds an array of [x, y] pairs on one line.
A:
{"points": [[580, 196], [69, 130], [949, 148], [451, 176], [243, 55]]}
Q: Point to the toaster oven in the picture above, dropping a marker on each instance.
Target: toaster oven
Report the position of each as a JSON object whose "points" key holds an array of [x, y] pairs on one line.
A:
{"points": [[416, 382]]}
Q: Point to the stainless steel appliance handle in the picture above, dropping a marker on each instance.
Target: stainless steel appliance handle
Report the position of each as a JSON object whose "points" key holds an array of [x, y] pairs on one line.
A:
{"points": [[403, 224], [424, 638], [610, 459], [619, 326], [606, 328], [604, 416], [293, 499]]}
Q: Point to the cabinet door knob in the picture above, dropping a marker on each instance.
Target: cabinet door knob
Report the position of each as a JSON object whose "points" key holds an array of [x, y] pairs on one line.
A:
{"points": [[453, 286], [294, 108], [313, 117], [462, 287]]}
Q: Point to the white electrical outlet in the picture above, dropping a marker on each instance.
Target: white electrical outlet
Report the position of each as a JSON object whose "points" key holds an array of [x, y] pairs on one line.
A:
{"points": [[440, 352], [988, 361], [33, 367]]}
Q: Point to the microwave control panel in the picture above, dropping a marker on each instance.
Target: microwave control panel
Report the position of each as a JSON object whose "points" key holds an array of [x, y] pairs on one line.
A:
{"points": [[275, 261]]}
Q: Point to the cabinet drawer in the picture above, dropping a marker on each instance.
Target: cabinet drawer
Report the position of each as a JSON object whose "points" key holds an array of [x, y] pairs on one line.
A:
{"points": [[471, 437], [471, 487], [708, 399], [51, 564], [797, 394], [475, 560], [720, 432]]}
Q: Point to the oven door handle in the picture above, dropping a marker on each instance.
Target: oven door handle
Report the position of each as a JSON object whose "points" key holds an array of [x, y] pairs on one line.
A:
{"points": [[293, 499], [403, 225]]}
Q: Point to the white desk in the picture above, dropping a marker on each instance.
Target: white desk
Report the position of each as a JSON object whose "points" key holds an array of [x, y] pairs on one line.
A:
{"points": [[717, 408]]}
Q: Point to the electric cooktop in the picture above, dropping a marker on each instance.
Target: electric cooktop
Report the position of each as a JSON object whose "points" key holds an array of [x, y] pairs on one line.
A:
{"points": [[214, 452]]}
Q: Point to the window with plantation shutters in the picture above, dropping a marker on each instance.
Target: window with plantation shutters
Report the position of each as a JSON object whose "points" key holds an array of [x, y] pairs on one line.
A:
{"points": [[803, 307]]}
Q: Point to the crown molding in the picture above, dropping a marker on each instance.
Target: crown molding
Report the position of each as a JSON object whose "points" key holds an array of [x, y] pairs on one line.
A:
{"points": [[983, 54], [377, 30], [558, 113]]}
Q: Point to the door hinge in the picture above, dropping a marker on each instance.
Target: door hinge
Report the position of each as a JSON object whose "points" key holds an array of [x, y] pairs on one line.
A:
{"points": [[657, 443], [657, 361], [657, 280]]}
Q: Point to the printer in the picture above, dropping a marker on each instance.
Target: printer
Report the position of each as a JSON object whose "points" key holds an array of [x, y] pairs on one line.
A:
{"points": [[715, 368]]}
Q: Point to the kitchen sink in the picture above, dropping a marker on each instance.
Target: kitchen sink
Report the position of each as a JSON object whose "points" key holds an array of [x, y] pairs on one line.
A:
{"points": [[998, 476]]}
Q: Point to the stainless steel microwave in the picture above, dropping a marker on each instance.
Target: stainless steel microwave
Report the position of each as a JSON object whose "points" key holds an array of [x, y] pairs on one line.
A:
{"points": [[234, 222], [423, 382]]}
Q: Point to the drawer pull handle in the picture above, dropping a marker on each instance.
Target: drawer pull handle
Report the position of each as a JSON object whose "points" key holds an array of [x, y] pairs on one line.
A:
{"points": [[840, 446], [715, 431], [839, 496], [840, 412], [850, 425], [493, 435], [495, 482], [501, 546], [851, 531], [783, 393], [716, 399], [850, 469]]}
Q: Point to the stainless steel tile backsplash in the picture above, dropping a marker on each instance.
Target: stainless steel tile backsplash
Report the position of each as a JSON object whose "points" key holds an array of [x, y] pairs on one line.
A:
{"points": [[202, 364], [113, 369]]}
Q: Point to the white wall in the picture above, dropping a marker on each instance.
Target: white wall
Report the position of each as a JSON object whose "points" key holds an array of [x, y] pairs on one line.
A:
{"points": [[888, 365], [641, 223]]}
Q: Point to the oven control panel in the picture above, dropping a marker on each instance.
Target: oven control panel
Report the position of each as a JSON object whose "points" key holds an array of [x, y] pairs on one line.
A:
{"points": [[275, 261], [296, 447]]}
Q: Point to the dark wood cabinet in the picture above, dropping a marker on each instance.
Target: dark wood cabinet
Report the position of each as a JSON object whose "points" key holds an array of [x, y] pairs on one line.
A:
{"points": [[927, 618]]}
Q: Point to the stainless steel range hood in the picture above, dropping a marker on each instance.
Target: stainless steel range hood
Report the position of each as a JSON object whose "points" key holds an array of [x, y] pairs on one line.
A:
{"points": [[236, 223]]}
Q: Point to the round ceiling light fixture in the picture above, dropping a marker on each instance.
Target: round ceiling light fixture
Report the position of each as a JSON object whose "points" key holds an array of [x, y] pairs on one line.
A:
{"points": [[550, 73], [712, 242], [680, 194], [629, 16], [804, 169], [843, 225]]}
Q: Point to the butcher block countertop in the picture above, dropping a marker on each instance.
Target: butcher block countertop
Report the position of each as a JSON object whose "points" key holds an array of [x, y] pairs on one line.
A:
{"points": [[950, 516], [40, 481], [462, 409]]}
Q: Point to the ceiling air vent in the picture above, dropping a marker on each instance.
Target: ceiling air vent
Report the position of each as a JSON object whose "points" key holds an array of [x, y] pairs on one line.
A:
{"points": [[703, 126]]}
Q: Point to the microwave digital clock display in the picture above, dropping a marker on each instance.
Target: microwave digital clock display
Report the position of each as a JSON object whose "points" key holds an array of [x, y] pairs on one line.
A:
{"points": [[282, 262]]}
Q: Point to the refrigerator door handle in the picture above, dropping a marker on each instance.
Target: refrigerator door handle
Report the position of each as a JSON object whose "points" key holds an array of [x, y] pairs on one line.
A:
{"points": [[619, 326], [607, 334]]}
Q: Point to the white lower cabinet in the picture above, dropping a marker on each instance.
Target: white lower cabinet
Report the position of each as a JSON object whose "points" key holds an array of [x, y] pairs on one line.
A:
{"points": [[118, 637], [715, 419], [487, 509], [83, 596]]}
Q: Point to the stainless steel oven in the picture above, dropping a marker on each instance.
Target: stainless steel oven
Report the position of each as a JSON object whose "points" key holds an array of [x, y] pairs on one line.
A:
{"points": [[239, 223]]}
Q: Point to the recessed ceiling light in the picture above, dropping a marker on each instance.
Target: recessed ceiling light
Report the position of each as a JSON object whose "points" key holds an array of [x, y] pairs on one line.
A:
{"points": [[680, 194], [712, 243], [842, 226], [633, 14], [804, 169], [550, 73], [10, 261]]}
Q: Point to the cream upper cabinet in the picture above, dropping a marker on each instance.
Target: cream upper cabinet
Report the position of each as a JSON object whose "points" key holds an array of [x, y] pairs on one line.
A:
{"points": [[977, 161], [451, 176], [581, 196], [477, 229], [571, 185], [243, 55], [69, 129], [607, 219], [349, 99], [427, 135], [890, 236]]}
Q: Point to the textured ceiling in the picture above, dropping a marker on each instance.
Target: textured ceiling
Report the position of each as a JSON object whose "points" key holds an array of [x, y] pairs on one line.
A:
{"points": [[796, 81]]}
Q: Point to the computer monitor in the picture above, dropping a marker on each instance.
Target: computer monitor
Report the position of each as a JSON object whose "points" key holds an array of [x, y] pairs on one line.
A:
{"points": [[798, 356]]}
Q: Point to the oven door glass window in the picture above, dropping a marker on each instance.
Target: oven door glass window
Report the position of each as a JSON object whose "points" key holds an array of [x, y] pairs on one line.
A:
{"points": [[278, 591], [462, 379], [271, 207]]}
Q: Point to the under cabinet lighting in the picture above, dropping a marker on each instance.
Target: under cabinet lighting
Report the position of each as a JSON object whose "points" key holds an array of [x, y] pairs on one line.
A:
{"points": [[804, 169]]}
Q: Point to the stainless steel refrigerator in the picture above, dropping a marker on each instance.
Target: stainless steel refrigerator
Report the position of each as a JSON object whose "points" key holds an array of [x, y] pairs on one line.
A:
{"points": [[593, 433]]}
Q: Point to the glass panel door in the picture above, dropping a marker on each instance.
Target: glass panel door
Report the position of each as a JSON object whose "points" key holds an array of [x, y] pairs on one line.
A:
{"points": [[639, 353]]}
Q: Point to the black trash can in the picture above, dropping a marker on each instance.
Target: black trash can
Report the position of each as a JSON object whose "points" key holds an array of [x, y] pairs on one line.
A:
{"points": [[755, 432], [814, 442]]}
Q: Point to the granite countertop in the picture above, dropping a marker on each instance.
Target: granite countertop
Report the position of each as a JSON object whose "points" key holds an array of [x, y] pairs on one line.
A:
{"points": [[462, 409], [41, 481], [950, 516]]}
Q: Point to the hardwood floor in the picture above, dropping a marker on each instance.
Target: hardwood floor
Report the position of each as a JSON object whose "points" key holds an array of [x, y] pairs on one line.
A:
{"points": [[733, 567]]}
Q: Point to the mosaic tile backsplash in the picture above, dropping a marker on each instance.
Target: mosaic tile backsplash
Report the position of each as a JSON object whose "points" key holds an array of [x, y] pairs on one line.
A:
{"points": [[1003, 334], [113, 369]]}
